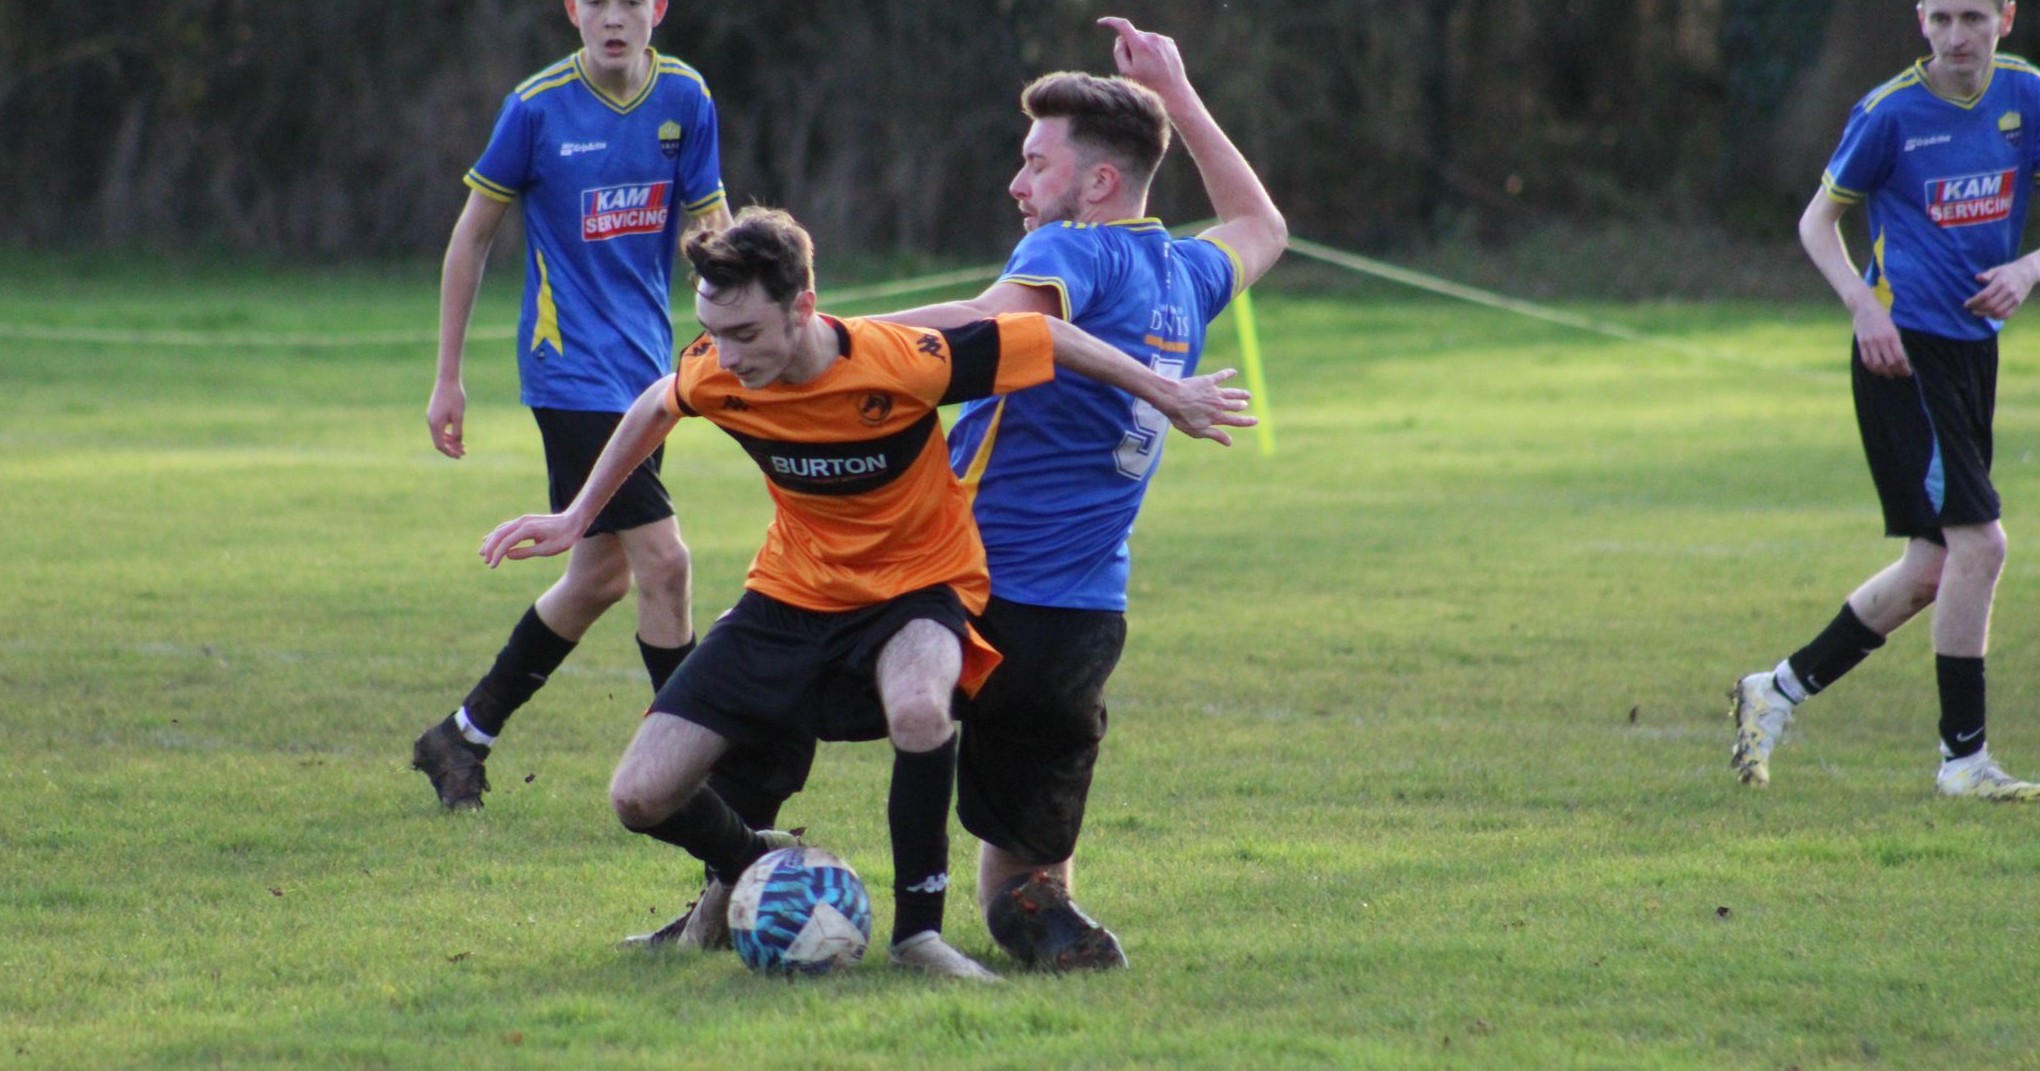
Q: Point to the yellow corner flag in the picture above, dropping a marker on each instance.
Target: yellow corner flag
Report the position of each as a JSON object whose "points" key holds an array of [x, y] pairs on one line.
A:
{"points": [[1250, 356]]}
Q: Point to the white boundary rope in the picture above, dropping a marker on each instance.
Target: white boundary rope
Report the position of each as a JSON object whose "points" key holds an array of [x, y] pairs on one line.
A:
{"points": [[851, 295]]}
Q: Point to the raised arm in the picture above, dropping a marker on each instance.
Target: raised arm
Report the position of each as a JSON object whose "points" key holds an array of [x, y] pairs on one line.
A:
{"points": [[460, 280], [1197, 406], [641, 431], [1820, 233], [1249, 222], [998, 298]]}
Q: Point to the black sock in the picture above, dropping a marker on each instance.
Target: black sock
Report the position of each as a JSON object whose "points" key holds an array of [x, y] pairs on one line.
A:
{"points": [[1961, 681], [521, 669], [1840, 647], [660, 662], [917, 811], [710, 831]]}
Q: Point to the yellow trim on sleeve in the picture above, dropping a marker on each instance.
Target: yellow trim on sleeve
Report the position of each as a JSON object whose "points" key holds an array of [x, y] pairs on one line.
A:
{"points": [[494, 191], [1051, 282], [1839, 193], [1239, 273]]}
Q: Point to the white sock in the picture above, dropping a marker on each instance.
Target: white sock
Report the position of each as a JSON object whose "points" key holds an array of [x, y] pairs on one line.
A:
{"points": [[471, 734], [1787, 683]]}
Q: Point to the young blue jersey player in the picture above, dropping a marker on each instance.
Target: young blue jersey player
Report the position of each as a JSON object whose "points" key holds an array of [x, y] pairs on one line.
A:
{"points": [[1942, 158], [608, 155]]}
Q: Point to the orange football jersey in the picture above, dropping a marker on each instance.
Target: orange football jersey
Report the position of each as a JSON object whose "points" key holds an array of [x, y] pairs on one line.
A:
{"points": [[867, 507]]}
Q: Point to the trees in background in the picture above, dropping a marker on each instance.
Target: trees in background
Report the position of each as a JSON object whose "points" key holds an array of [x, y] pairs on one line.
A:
{"points": [[339, 128]]}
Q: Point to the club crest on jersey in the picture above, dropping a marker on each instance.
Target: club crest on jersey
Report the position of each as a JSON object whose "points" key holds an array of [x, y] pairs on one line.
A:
{"points": [[614, 211], [873, 409], [2011, 126], [1968, 200], [669, 138]]}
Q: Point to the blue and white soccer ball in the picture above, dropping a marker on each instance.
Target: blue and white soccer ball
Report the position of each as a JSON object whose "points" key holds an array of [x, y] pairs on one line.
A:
{"points": [[799, 910]]}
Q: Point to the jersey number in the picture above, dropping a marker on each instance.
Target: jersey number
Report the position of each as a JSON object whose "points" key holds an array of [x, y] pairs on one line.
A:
{"points": [[1141, 446]]}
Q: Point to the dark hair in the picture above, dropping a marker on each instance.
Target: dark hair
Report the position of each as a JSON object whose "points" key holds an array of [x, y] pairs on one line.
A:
{"points": [[1113, 116], [764, 246]]}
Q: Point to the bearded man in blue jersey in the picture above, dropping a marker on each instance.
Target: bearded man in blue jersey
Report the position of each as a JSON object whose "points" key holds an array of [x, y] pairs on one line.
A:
{"points": [[1059, 471], [609, 153], [1942, 158]]}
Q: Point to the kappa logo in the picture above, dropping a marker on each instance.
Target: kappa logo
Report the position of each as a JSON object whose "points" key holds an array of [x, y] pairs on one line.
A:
{"points": [[933, 884], [615, 211], [735, 404], [872, 411], [931, 344], [1968, 200]]}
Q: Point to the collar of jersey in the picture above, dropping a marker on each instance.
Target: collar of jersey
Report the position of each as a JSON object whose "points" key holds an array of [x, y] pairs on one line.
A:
{"points": [[1143, 223], [621, 107], [1965, 103]]}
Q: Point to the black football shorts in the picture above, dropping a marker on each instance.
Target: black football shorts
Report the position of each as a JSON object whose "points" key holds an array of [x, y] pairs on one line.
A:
{"points": [[1928, 436], [573, 440]]}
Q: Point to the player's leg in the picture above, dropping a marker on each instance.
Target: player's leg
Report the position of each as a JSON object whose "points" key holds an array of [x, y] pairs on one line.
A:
{"points": [[916, 679], [1895, 419], [664, 572], [1030, 742], [747, 683], [1976, 556], [451, 754]]}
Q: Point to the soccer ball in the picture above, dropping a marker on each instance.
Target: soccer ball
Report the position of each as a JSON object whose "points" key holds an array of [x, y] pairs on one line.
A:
{"points": [[799, 910]]}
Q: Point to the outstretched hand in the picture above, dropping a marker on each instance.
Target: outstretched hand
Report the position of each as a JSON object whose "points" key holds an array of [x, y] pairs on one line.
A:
{"points": [[1203, 409], [546, 534], [1150, 59]]}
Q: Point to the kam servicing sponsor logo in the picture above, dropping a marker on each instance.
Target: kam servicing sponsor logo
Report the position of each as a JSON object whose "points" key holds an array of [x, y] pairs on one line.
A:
{"points": [[1971, 199], [614, 211]]}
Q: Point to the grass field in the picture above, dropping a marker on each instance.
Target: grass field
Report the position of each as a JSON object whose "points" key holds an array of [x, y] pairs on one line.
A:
{"points": [[1418, 758]]}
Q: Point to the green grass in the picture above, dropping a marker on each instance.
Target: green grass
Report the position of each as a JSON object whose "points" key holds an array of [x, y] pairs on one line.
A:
{"points": [[1417, 756]]}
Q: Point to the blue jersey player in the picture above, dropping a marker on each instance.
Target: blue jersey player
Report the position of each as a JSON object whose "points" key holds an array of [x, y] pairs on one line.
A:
{"points": [[1058, 471], [1943, 159], [609, 154]]}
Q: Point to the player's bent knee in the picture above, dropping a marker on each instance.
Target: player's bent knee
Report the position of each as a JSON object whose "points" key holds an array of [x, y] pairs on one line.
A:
{"points": [[919, 726]]}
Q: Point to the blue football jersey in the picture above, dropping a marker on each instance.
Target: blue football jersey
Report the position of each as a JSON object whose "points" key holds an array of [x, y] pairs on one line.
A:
{"points": [[605, 187], [1946, 183], [1057, 472]]}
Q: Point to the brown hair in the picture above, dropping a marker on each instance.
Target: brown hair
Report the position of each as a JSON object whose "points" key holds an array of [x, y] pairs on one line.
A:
{"points": [[1114, 116], [766, 246]]}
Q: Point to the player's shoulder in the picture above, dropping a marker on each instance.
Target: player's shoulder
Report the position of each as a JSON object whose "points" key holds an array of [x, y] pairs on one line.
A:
{"points": [[1900, 88], [2019, 68], [677, 74], [564, 72], [881, 339]]}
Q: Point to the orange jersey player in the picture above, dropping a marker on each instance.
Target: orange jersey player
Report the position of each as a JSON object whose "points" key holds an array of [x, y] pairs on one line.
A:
{"points": [[855, 619]]}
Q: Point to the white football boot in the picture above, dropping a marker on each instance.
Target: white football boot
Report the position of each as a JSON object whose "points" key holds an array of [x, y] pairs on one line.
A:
{"points": [[926, 951], [1979, 776], [1761, 715]]}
